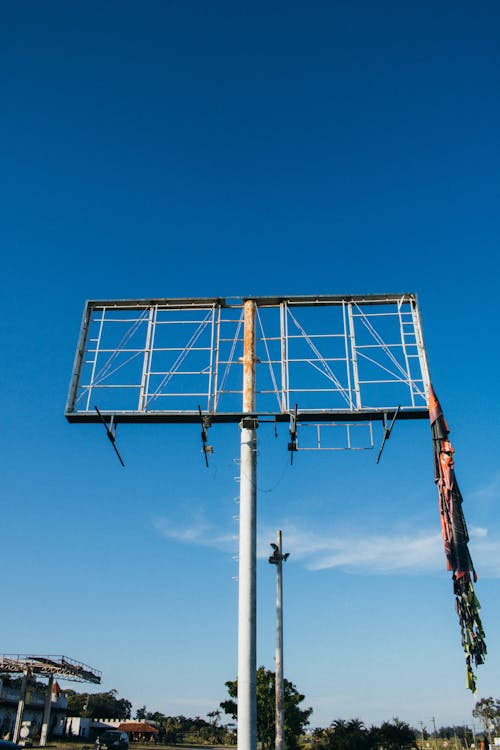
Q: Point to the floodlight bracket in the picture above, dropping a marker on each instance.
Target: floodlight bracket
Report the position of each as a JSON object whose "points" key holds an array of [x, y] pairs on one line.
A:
{"points": [[111, 432], [293, 444], [387, 429], [206, 422], [277, 558]]}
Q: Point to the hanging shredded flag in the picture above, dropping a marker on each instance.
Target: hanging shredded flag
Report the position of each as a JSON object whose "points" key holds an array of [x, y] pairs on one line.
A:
{"points": [[455, 538]]}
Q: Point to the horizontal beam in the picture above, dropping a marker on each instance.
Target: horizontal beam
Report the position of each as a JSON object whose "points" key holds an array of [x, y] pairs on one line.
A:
{"points": [[193, 417], [268, 301]]}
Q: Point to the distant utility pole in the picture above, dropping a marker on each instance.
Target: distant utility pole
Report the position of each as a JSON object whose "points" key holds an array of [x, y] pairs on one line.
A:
{"points": [[422, 731], [435, 732], [277, 558]]}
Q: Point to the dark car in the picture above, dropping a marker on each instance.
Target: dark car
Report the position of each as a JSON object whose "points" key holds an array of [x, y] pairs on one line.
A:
{"points": [[6, 745], [112, 739]]}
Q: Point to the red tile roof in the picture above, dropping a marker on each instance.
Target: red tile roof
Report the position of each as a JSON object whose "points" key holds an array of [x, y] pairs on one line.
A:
{"points": [[137, 726]]}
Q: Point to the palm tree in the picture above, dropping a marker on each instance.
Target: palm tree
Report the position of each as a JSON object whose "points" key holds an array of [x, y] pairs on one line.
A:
{"points": [[347, 735], [339, 725], [355, 725]]}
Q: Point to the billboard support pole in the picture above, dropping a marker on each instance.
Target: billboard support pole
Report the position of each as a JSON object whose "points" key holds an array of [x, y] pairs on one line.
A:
{"points": [[247, 659]]}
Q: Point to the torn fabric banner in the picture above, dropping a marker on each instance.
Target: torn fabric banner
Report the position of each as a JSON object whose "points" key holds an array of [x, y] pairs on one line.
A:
{"points": [[456, 538]]}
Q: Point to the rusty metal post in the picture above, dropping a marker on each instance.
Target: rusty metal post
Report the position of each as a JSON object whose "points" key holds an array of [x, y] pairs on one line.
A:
{"points": [[247, 614]]}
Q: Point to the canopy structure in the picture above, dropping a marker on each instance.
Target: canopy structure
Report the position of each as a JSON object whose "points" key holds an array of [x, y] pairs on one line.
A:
{"points": [[61, 667], [52, 667]]}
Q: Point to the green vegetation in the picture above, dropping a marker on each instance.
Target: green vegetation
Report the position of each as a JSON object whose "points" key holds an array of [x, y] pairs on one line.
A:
{"points": [[98, 705], [341, 734], [353, 735], [487, 710], [296, 719]]}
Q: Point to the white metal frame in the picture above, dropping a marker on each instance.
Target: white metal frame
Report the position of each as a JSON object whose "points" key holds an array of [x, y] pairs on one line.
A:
{"points": [[371, 361]]}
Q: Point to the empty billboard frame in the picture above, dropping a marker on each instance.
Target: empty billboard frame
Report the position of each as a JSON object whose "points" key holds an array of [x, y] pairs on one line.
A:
{"points": [[323, 358]]}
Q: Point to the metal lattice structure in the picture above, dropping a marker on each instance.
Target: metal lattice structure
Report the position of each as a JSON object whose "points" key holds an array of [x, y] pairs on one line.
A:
{"points": [[49, 666], [347, 358]]}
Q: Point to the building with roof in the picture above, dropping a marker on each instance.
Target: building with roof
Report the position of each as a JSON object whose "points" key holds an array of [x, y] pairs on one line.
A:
{"points": [[20, 674], [34, 703]]}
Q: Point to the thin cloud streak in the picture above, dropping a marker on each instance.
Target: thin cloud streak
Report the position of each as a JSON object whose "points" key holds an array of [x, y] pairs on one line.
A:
{"points": [[489, 491], [352, 552], [199, 533], [366, 553]]}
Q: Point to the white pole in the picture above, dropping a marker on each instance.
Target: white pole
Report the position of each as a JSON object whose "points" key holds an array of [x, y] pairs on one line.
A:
{"points": [[46, 712], [280, 686], [278, 558], [20, 707], [247, 658]]}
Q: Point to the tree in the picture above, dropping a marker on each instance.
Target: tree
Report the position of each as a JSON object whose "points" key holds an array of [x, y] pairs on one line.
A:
{"points": [[157, 716], [215, 716], [487, 710], [353, 735], [295, 717], [395, 735], [346, 735], [77, 702], [141, 713], [98, 705]]}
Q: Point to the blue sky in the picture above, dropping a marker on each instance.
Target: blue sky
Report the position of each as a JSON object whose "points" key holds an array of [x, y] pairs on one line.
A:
{"points": [[199, 149]]}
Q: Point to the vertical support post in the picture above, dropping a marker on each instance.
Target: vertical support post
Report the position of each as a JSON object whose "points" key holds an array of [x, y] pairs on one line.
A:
{"points": [[354, 356], [212, 405], [247, 610], [284, 356], [420, 346], [146, 363], [280, 687], [46, 712], [20, 707]]}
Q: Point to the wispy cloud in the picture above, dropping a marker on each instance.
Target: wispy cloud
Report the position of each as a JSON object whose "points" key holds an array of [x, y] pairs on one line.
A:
{"points": [[478, 532], [418, 551], [365, 552], [199, 532], [488, 491]]}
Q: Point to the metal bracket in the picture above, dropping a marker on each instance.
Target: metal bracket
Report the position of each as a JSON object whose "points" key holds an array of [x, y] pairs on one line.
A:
{"points": [[111, 432], [249, 423], [387, 430], [277, 557], [206, 422], [293, 444]]}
